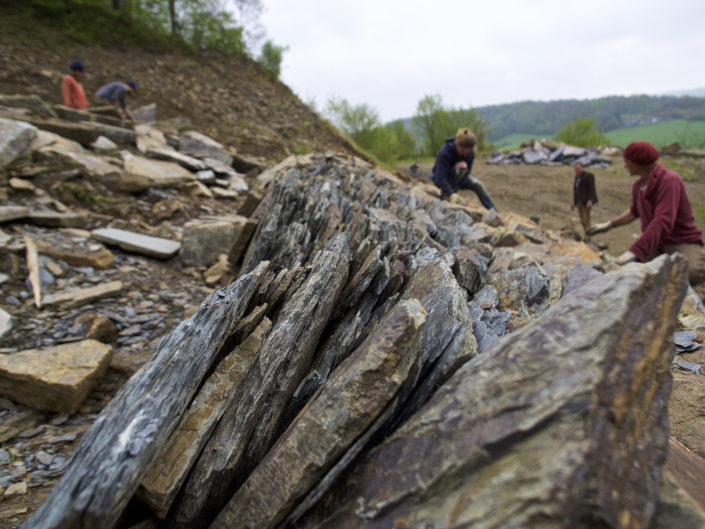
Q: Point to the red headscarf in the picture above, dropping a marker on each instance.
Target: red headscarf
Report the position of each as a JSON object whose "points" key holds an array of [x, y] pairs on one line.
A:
{"points": [[640, 152]]}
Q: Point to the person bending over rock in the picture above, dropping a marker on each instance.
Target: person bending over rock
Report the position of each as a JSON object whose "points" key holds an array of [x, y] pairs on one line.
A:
{"points": [[453, 166], [115, 93], [660, 202]]}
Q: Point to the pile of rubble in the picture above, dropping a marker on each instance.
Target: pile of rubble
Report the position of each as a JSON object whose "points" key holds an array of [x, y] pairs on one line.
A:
{"points": [[371, 357], [547, 152]]}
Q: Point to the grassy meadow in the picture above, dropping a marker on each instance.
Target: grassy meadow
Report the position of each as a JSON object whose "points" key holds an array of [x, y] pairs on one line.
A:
{"points": [[690, 135]]}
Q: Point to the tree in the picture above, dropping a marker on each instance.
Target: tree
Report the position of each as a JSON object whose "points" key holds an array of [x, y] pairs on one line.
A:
{"points": [[435, 123], [582, 133], [406, 143], [271, 57], [353, 120], [432, 123]]}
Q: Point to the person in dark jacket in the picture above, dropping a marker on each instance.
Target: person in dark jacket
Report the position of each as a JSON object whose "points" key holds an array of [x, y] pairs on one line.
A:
{"points": [[660, 202], [453, 166], [584, 195]]}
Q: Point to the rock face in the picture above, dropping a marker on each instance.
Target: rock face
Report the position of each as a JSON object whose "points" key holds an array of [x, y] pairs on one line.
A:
{"points": [[582, 454], [403, 356], [55, 379]]}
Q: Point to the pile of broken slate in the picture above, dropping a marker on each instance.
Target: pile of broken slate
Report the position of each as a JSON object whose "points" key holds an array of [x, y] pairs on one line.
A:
{"points": [[367, 355], [548, 152]]}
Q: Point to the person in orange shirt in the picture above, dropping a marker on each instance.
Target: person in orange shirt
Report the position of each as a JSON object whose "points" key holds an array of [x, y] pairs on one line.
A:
{"points": [[72, 89]]}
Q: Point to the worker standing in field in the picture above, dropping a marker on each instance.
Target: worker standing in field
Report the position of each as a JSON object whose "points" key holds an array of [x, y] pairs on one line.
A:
{"points": [[584, 195], [660, 202]]}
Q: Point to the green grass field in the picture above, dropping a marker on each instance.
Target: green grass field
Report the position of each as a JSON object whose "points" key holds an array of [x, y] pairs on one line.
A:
{"points": [[690, 134]]}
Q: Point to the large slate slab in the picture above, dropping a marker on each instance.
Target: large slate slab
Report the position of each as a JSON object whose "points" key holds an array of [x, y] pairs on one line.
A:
{"points": [[112, 458], [340, 412], [565, 420]]}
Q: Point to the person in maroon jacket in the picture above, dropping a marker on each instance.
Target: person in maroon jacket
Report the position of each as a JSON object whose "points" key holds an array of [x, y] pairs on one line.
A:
{"points": [[660, 202]]}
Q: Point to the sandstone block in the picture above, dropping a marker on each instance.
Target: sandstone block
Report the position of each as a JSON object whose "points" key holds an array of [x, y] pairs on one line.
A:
{"points": [[54, 379]]}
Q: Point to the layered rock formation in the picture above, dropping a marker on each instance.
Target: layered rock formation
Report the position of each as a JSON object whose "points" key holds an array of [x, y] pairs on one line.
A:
{"points": [[411, 363]]}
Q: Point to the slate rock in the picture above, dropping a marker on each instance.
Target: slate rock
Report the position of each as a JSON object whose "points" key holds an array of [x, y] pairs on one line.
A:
{"points": [[157, 247], [15, 140], [565, 397]]}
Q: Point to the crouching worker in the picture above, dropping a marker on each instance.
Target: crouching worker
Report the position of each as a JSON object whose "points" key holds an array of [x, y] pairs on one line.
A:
{"points": [[661, 204], [453, 166]]}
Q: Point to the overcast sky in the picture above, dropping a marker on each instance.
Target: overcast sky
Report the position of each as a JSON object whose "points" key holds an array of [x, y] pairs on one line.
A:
{"points": [[390, 54]]}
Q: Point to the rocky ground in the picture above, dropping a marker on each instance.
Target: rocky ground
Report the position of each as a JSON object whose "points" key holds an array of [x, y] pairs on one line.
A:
{"points": [[237, 103], [158, 293]]}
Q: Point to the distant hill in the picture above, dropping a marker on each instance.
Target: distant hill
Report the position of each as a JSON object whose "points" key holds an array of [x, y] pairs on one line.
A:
{"points": [[695, 92], [689, 134], [545, 118]]}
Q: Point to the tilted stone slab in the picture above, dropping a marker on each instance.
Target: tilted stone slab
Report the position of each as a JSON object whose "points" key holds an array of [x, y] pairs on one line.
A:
{"points": [[561, 422], [6, 323], [250, 425], [114, 454], [56, 378], [98, 165], [56, 219], [84, 133], [340, 412], [159, 174], [73, 114], [82, 296], [15, 140], [136, 242], [33, 103], [170, 155], [201, 146], [204, 239], [95, 255], [10, 213], [169, 468]]}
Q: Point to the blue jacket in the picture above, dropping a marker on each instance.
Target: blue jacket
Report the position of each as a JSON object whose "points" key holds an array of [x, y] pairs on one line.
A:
{"points": [[444, 168]]}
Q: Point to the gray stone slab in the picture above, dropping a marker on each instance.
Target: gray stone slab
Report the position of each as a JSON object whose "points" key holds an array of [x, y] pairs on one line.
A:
{"points": [[10, 213], [15, 140], [138, 243], [5, 322]]}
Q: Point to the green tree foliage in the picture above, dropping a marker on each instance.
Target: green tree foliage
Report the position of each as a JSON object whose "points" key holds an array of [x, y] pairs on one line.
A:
{"points": [[406, 143], [199, 24], [432, 123], [362, 124], [582, 133], [353, 120], [271, 57], [435, 123]]}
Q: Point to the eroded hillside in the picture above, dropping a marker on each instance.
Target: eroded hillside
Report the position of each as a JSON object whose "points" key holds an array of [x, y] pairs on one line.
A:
{"points": [[231, 98]]}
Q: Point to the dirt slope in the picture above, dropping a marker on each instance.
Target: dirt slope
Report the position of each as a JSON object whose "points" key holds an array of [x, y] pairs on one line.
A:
{"points": [[231, 98]]}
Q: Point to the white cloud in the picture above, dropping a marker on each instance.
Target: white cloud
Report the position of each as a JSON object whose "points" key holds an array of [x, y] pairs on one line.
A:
{"points": [[389, 54]]}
